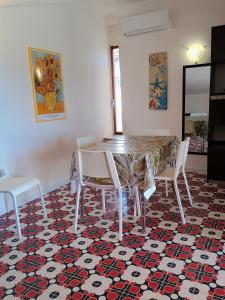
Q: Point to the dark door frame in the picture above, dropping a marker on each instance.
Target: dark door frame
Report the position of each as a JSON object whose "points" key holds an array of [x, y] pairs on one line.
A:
{"points": [[183, 101]]}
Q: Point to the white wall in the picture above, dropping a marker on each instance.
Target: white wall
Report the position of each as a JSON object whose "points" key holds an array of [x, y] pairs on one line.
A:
{"points": [[197, 103], [78, 32], [193, 21]]}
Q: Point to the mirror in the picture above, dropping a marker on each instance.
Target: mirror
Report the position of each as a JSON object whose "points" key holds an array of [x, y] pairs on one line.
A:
{"points": [[196, 87]]}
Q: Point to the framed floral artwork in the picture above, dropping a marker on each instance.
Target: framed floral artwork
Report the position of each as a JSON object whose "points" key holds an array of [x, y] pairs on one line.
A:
{"points": [[47, 84], [158, 81]]}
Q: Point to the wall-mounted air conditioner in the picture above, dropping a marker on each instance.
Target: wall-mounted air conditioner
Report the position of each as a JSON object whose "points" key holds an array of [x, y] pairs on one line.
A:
{"points": [[153, 21]]}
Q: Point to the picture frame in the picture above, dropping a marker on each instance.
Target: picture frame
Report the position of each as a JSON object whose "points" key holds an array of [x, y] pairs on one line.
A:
{"points": [[158, 81], [47, 84]]}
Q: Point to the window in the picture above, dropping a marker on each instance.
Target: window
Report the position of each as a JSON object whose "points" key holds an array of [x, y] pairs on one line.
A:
{"points": [[116, 90]]}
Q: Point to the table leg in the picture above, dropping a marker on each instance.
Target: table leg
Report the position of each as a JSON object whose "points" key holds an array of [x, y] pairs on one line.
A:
{"points": [[82, 206], [144, 215]]}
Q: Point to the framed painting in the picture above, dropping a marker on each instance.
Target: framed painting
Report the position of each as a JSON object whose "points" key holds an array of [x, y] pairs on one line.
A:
{"points": [[47, 84], [158, 81]]}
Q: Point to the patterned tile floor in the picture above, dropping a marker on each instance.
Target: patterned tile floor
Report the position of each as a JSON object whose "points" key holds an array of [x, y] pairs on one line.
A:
{"points": [[172, 261]]}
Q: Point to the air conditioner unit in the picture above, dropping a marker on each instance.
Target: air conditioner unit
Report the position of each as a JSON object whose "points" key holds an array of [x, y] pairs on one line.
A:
{"points": [[153, 21]]}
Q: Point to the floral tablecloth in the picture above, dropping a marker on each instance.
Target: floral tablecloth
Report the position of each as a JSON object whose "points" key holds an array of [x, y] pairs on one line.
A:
{"points": [[139, 158]]}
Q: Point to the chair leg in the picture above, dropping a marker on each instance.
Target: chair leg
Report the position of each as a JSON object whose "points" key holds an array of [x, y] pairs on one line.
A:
{"points": [[6, 201], [103, 199], [179, 203], [187, 188], [115, 194], [130, 191], [77, 207], [135, 207], [82, 205], [120, 216], [17, 216], [144, 215], [137, 198], [42, 201], [166, 184]]}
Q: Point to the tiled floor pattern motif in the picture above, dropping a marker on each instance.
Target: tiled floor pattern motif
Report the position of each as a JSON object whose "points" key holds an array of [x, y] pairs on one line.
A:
{"points": [[170, 261]]}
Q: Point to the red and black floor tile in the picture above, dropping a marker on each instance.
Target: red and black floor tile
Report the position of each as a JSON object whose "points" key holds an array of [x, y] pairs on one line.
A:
{"points": [[169, 261]]}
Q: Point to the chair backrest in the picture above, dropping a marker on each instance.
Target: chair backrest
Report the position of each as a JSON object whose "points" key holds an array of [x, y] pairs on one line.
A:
{"points": [[187, 140], [85, 141], [98, 164], [113, 170], [157, 132], [2, 174], [181, 157]]}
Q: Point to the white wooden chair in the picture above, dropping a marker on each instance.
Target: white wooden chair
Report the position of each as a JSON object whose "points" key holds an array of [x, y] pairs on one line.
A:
{"points": [[92, 140], [100, 165], [16, 186], [171, 174], [86, 141]]}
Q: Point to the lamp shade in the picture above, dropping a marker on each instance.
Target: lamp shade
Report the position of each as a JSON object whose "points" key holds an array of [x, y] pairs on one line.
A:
{"points": [[196, 53]]}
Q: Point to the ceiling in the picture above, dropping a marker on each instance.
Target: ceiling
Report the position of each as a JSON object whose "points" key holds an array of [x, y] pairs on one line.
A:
{"points": [[32, 2], [129, 1], [37, 2]]}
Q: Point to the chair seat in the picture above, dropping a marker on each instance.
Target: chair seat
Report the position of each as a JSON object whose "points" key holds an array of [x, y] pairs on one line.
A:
{"points": [[100, 181], [17, 185], [166, 174], [97, 180]]}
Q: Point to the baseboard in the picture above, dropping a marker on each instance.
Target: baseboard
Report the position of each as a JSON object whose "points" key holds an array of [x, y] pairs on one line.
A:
{"points": [[7, 204]]}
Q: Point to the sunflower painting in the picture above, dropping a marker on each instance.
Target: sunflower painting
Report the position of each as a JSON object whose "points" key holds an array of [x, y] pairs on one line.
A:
{"points": [[47, 83], [158, 81]]}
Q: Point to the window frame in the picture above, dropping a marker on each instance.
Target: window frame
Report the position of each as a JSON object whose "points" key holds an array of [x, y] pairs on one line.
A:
{"points": [[112, 48]]}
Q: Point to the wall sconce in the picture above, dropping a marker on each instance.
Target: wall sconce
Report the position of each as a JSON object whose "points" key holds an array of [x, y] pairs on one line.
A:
{"points": [[196, 53]]}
